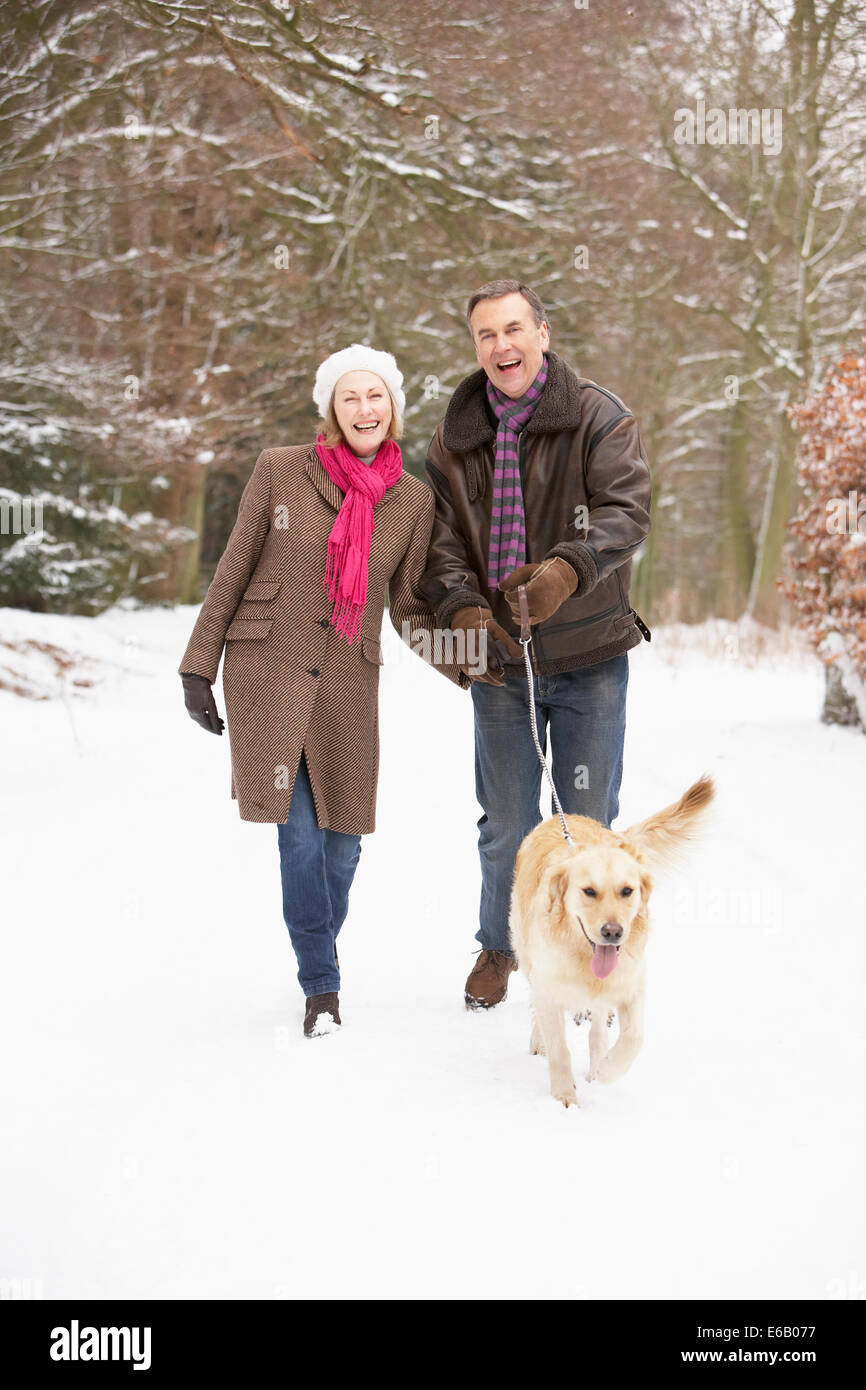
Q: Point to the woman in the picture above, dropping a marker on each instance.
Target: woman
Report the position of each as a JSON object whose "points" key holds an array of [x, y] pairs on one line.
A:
{"points": [[297, 598]]}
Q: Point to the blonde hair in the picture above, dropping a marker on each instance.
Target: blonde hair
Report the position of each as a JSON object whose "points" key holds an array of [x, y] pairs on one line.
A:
{"points": [[334, 435]]}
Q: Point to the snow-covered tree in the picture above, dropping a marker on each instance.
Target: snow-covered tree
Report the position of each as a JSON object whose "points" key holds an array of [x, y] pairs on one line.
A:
{"points": [[198, 203], [768, 185]]}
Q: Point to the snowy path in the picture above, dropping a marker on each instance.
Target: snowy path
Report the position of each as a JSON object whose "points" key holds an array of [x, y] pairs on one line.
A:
{"points": [[170, 1134]]}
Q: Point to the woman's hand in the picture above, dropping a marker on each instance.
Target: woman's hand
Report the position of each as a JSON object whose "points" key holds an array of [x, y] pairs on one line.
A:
{"points": [[200, 703]]}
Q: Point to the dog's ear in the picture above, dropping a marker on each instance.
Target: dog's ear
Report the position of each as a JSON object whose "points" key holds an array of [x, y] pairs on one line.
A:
{"points": [[557, 883], [646, 885], [643, 862], [556, 886]]}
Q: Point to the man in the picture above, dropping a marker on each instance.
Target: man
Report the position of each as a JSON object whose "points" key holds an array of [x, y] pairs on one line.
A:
{"points": [[540, 479]]}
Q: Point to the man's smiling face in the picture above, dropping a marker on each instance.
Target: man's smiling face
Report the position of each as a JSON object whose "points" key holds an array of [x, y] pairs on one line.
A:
{"points": [[509, 344]]}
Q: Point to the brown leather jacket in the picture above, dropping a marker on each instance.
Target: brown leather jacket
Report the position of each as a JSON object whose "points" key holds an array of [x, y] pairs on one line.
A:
{"points": [[581, 449]]}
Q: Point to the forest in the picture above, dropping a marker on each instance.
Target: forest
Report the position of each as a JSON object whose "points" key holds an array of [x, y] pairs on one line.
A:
{"points": [[200, 202]]}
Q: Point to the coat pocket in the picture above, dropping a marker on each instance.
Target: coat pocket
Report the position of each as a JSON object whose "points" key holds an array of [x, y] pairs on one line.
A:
{"points": [[260, 590], [248, 627], [372, 650], [586, 621]]}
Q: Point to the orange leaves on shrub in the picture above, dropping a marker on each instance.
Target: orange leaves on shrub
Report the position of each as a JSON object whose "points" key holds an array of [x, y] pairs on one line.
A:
{"points": [[827, 580]]}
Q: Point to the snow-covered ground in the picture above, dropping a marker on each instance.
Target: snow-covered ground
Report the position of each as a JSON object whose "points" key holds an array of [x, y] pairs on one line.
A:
{"points": [[170, 1134]]}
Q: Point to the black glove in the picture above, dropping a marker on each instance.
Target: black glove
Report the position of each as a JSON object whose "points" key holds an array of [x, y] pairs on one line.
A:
{"points": [[200, 703]]}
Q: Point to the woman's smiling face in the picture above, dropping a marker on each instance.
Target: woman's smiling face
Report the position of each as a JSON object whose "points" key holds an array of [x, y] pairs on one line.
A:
{"points": [[362, 406]]}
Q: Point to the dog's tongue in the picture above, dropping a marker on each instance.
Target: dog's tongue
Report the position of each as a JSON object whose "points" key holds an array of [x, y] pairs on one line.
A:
{"points": [[603, 961]]}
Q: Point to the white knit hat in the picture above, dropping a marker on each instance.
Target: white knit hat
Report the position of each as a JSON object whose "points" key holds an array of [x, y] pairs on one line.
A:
{"points": [[358, 358]]}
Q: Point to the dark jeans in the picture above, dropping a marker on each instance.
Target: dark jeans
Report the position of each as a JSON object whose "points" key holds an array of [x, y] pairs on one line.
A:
{"points": [[317, 868], [584, 713]]}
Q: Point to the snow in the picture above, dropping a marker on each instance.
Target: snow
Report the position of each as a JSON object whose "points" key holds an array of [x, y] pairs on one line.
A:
{"points": [[170, 1133], [178, 424], [325, 1024], [518, 208], [400, 168]]}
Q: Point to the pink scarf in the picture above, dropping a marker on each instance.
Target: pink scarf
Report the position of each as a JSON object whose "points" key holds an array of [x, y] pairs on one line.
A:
{"points": [[349, 542]]}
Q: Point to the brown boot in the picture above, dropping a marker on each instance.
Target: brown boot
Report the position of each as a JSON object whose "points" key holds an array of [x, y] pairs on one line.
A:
{"points": [[322, 1014], [488, 981]]}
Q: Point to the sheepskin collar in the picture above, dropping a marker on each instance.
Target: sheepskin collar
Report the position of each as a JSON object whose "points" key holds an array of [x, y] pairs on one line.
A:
{"points": [[467, 420]]}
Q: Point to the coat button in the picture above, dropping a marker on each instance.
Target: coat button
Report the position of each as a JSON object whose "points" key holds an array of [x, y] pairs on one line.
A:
{"points": [[313, 672], [323, 622]]}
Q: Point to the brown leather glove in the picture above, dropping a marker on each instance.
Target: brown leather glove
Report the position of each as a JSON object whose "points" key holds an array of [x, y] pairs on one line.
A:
{"points": [[499, 644], [547, 586], [200, 703]]}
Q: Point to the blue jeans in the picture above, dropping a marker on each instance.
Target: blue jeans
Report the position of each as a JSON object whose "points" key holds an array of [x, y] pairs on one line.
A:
{"points": [[584, 713], [317, 867]]}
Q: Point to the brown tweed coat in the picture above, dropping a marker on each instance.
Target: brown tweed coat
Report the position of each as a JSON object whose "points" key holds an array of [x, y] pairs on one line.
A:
{"points": [[291, 681]]}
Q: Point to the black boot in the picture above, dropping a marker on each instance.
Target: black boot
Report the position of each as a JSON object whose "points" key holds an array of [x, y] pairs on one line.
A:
{"points": [[322, 1014]]}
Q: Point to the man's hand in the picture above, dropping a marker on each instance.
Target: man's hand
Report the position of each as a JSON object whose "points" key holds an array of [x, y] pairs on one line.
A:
{"points": [[200, 703], [547, 586], [499, 644]]}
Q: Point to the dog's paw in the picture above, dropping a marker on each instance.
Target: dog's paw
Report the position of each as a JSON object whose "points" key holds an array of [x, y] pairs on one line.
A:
{"points": [[591, 1075], [567, 1095], [610, 1069], [586, 1017], [536, 1049]]}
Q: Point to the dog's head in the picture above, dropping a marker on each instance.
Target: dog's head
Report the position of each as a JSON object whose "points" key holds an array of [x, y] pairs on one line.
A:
{"points": [[600, 895]]}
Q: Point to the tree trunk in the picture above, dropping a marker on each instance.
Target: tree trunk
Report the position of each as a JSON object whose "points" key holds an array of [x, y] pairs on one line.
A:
{"points": [[839, 706], [737, 557], [764, 598], [642, 569], [182, 505]]}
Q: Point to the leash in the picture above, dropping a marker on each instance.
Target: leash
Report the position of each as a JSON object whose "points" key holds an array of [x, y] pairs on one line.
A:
{"points": [[525, 640]]}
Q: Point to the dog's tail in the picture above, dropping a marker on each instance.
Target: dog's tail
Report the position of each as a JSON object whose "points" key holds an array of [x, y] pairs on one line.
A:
{"points": [[663, 836]]}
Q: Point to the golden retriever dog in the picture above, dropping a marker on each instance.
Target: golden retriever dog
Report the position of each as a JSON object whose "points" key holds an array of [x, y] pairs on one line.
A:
{"points": [[579, 922]]}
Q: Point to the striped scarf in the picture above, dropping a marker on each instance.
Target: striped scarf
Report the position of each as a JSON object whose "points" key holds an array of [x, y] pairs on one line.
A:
{"points": [[507, 519]]}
